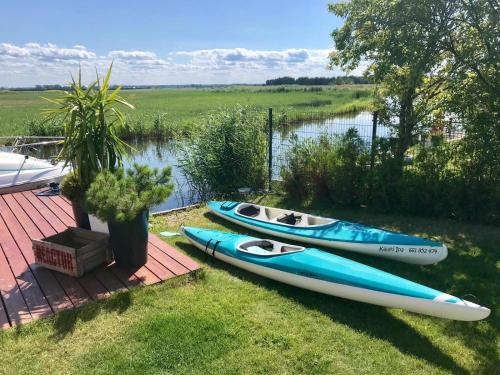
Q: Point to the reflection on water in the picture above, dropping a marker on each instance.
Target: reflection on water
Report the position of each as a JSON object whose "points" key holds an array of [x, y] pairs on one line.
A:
{"points": [[159, 154]]}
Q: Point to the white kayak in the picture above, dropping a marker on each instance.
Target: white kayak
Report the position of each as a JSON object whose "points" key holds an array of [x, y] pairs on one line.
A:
{"points": [[333, 233], [21, 172], [322, 272]]}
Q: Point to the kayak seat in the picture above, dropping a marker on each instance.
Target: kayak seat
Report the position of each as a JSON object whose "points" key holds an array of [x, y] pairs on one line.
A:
{"points": [[268, 248], [290, 219], [250, 211]]}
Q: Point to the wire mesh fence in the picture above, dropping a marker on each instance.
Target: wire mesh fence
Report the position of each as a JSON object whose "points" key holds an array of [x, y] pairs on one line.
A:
{"points": [[287, 128]]}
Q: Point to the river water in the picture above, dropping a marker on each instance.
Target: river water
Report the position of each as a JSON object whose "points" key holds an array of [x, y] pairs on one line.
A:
{"points": [[158, 153]]}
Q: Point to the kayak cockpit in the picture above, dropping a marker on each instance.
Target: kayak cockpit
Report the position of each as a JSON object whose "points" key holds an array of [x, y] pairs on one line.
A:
{"points": [[268, 248], [281, 216]]}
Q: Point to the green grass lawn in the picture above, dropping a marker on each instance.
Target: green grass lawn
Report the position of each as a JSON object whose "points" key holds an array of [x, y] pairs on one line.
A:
{"points": [[181, 106], [228, 321]]}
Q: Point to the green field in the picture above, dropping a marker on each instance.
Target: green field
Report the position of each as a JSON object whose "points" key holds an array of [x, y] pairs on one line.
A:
{"points": [[228, 321], [178, 107]]}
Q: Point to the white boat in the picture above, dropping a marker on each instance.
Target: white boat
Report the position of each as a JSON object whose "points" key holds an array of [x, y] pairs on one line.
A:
{"points": [[21, 172]]}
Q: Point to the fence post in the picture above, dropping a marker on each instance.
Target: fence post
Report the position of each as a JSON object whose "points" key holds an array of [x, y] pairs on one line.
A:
{"points": [[270, 145], [373, 150]]}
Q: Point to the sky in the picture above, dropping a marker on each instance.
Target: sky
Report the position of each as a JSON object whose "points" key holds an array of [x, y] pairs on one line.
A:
{"points": [[164, 42]]}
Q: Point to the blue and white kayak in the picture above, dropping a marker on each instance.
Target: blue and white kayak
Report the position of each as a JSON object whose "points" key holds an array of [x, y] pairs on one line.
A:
{"points": [[326, 273], [333, 233]]}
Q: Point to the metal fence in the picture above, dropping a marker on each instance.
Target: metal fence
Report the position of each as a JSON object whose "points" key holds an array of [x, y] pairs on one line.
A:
{"points": [[287, 127]]}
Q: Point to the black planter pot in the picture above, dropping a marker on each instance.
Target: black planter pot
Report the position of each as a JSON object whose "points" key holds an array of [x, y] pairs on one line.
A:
{"points": [[81, 216], [129, 240]]}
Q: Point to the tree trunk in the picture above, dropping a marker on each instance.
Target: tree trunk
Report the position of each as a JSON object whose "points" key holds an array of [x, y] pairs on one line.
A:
{"points": [[405, 128]]}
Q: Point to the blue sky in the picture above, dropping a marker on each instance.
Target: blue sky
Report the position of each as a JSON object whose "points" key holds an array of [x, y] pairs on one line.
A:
{"points": [[164, 42]]}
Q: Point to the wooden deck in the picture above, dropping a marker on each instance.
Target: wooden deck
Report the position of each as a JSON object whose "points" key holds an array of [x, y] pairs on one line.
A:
{"points": [[29, 292]]}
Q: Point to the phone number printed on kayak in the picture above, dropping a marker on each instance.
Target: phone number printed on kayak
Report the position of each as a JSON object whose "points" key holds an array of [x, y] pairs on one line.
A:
{"points": [[413, 250]]}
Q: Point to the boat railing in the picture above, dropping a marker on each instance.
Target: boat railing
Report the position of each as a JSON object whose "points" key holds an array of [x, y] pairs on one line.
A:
{"points": [[19, 142]]}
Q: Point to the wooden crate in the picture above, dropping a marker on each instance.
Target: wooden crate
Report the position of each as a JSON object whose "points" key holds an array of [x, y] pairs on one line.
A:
{"points": [[73, 252]]}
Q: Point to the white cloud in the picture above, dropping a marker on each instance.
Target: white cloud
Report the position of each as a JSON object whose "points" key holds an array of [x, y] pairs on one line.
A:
{"points": [[45, 51], [134, 55], [34, 63]]}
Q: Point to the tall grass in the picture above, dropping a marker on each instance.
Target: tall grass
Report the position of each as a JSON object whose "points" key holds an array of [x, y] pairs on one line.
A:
{"points": [[327, 169], [228, 152]]}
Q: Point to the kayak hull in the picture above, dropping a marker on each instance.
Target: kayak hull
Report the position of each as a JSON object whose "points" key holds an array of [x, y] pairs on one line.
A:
{"points": [[411, 249], [438, 306]]}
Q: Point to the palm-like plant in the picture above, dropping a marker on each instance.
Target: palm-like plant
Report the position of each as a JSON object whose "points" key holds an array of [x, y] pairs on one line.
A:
{"points": [[91, 124]]}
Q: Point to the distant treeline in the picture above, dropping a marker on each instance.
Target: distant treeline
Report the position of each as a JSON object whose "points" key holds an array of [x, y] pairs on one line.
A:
{"points": [[342, 80], [126, 87]]}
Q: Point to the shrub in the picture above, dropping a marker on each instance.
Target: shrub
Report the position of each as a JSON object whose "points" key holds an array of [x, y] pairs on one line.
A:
{"points": [[346, 169], [41, 128], [327, 168], [121, 197], [228, 152], [437, 183], [71, 187]]}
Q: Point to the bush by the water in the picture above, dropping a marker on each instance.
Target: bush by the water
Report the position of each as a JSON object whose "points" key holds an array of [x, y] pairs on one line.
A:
{"points": [[229, 151], [331, 169], [443, 179], [439, 182]]}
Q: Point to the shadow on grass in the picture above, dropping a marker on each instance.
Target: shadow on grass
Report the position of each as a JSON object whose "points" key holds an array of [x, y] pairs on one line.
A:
{"points": [[469, 269], [64, 323]]}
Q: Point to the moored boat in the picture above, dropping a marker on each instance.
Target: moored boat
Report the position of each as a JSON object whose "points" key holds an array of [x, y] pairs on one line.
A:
{"points": [[333, 233], [330, 274], [20, 172]]}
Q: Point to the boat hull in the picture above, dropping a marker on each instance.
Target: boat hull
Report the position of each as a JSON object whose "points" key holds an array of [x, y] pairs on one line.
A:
{"points": [[20, 173], [439, 306], [421, 252]]}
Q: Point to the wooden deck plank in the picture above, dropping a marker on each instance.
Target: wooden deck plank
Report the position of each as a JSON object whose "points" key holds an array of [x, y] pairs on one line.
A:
{"points": [[66, 207], [53, 290], [158, 269], [28, 292], [173, 253], [93, 286], [68, 293], [166, 261], [38, 213], [56, 211], [146, 276], [128, 277], [4, 320], [109, 280], [27, 222], [25, 229], [17, 309], [74, 290], [32, 293]]}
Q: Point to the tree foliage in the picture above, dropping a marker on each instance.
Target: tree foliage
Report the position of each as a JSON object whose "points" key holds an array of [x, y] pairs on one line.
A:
{"points": [[400, 40]]}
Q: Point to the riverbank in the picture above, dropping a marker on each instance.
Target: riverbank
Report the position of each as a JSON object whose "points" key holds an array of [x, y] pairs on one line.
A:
{"points": [[173, 112], [229, 319]]}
